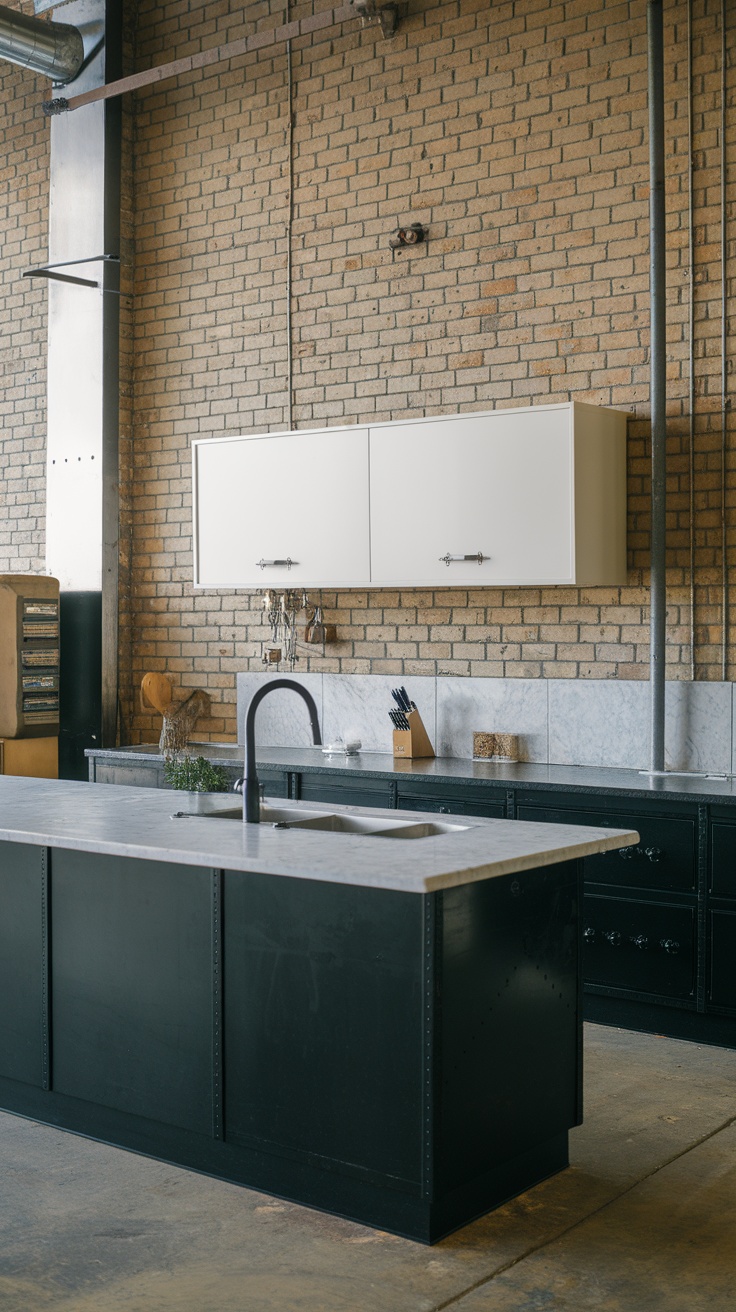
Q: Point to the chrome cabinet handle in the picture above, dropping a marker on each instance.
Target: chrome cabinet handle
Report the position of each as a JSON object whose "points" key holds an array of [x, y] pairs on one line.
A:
{"points": [[613, 937], [477, 556], [654, 853], [262, 564], [670, 945], [641, 941], [589, 934]]}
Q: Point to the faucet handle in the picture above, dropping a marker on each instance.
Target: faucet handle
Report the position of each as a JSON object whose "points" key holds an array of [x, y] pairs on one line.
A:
{"points": [[238, 785]]}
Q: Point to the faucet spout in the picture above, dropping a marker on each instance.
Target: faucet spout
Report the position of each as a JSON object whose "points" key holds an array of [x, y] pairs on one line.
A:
{"points": [[251, 791]]}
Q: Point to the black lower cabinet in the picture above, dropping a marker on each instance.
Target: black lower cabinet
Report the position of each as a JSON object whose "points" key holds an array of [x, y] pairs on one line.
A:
{"points": [[407, 1061], [659, 920], [646, 947], [453, 804], [722, 972], [346, 792]]}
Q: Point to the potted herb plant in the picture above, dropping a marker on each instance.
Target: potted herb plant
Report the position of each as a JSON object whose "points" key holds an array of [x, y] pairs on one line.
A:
{"points": [[195, 775]]}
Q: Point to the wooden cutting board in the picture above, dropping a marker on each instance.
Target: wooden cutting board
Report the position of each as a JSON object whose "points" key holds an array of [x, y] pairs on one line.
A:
{"points": [[156, 692]]}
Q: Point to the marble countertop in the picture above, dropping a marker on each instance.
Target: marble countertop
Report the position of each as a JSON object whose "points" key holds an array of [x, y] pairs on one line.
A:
{"points": [[139, 822], [686, 787]]}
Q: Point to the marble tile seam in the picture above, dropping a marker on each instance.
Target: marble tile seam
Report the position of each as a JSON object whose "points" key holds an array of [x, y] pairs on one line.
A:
{"points": [[565, 1230]]}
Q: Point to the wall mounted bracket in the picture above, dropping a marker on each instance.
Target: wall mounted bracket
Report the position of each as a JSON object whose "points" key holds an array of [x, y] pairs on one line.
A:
{"points": [[412, 235], [49, 271], [387, 14]]}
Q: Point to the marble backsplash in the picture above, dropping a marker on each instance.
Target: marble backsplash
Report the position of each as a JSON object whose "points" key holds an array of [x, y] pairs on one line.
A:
{"points": [[559, 721]]}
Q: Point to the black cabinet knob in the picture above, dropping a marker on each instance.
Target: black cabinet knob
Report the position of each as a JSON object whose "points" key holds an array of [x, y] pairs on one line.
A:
{"points": [[640, 941], [613, 937], [670, 945], [651, 853]]}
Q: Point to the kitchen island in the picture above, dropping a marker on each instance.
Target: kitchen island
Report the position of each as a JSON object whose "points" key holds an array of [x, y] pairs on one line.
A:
{"points": [[383, 1023], [659, 930]]}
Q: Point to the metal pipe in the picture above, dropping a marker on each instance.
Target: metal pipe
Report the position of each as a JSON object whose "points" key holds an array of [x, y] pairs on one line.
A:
{"points": [[658, 292], [289, 231], [724, 355], [55, 50], [691, 330]]}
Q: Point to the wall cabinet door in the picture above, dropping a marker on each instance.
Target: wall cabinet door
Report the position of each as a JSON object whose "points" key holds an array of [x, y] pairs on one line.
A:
{"points": [[298, 497], [499, 485]]}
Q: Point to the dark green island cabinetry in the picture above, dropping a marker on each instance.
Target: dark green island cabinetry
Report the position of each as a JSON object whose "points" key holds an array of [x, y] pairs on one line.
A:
{"points": [[659, 919], [381, 1029]]}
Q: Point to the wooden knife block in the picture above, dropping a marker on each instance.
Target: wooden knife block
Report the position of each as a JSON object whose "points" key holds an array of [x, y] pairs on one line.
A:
{"points": [[413, 742]]}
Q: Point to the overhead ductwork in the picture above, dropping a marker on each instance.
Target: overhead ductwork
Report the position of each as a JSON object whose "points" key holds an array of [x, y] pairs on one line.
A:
{"points": [[55, 50]]}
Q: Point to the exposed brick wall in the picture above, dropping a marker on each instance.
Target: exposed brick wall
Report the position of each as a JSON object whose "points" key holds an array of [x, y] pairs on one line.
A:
{"points": [[517, 132], [24, 142]]}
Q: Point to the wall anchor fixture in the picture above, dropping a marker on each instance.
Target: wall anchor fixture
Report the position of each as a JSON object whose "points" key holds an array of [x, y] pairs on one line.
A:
{"points": [[387, 15], [409, 236]]}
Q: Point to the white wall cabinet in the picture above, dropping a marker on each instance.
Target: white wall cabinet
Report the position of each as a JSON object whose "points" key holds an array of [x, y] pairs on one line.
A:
{"points": [[283, 510], [513, 497], [502, 498]]}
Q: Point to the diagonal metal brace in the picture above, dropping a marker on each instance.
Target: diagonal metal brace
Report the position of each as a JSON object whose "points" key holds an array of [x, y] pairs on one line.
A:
{"points": [[204, 59]]}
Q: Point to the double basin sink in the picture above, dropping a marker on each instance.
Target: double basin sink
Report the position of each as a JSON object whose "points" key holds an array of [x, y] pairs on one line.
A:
{"points": [[342, 822]]}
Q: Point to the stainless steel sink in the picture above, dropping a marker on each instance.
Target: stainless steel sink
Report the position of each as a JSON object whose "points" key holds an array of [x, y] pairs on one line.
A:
{"points": [[373, 826], [343, 822]]}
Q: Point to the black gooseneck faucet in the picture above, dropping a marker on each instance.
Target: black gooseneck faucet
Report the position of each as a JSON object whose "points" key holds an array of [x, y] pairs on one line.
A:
{"points": [[251, 790]]}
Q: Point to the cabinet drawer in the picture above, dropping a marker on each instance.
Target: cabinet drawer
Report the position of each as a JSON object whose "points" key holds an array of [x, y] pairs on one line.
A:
{"points": [[641, 946], [664, 857], [136, 776], [723, 859], [452, 806], [722, 983], [352, 792], [274, 782]]}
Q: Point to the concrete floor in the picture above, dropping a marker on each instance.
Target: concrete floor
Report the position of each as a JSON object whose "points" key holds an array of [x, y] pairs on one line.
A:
{"points": [[644, 1219]]}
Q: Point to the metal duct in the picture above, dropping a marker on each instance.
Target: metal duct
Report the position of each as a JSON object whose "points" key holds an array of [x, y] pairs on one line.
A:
{"points": [[55, 50]]}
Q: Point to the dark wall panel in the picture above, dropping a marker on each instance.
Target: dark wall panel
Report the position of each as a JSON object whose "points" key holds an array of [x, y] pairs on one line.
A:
{"points": [[132, 986], [21, 962], [322, 997], [509, 984]]}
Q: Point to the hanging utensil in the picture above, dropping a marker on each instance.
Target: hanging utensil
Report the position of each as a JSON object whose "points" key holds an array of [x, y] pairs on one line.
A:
{"points": [[156, 690]]}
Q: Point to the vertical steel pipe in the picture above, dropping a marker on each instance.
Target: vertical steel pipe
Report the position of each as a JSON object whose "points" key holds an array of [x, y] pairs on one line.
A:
{"points": [[657, 284], [724, 351], [691, 330], [289, 238]]}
